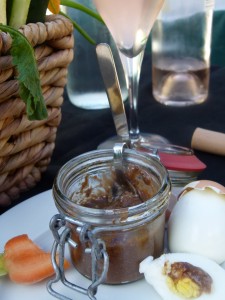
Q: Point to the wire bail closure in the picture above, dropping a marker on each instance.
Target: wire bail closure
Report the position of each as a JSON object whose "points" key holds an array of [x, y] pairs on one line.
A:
{"points": [[98, 254]]}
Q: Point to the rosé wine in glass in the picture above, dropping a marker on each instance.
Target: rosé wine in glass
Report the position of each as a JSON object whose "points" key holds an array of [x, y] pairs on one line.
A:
{"points": [[130, 22]]}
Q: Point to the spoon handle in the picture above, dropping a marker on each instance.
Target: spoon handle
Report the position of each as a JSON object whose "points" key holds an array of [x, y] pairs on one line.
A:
{"points": [[112, 87]]}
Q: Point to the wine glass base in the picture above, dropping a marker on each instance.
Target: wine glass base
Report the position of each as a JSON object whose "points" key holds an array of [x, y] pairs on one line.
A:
{"points": [[153, 140]]}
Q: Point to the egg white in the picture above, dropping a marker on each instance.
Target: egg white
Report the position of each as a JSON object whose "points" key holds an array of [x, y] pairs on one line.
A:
{"points": [[197, 224], [152, 270]]}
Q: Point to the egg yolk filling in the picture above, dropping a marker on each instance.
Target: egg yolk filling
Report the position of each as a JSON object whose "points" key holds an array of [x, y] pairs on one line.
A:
{"points": [[186, 280]]}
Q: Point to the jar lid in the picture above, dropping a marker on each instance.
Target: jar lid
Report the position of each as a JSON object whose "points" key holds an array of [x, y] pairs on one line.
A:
{"points": [[181, 162]]}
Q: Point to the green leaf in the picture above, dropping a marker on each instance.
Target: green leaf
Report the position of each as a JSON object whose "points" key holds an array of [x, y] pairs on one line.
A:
{"points": [[86, 10], [83, 8], [3, 271], [28, 75]]}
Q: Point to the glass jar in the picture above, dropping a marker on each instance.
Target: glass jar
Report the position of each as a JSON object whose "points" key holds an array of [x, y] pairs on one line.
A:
{"points": [[129, 234], [182, 164]]}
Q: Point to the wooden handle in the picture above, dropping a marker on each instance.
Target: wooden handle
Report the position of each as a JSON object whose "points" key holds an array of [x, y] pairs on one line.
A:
{"points": [[208, 141]]}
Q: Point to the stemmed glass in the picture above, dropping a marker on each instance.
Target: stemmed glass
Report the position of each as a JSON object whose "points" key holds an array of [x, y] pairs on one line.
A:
{"points": [[130, 23]]}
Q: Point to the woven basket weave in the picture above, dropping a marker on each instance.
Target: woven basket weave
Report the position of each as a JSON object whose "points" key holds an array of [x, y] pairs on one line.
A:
{"points": [[26, 146]]}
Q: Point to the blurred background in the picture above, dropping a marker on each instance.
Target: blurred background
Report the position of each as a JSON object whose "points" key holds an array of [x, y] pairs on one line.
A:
{"points": [[219, 4]]}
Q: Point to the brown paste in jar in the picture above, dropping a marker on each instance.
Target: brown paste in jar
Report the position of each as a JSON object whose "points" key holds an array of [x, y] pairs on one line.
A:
{"points": [[115, 191], [126, 249]]}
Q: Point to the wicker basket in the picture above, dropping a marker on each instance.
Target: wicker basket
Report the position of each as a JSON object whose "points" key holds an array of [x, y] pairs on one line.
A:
{"points": [[26, 146]]}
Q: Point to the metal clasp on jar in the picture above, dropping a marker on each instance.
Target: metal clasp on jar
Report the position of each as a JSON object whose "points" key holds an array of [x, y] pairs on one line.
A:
{"points": [[62, 235]]}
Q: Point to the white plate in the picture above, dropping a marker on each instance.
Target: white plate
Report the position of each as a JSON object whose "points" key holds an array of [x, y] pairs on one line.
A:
{"points": [[32, 217]]}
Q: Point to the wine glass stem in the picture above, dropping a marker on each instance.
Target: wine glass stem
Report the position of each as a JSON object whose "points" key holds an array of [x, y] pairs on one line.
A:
{"points": [[132, 69]]}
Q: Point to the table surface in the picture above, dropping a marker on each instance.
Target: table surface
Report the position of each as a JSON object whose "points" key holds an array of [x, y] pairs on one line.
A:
{"points": [[83, 130]]}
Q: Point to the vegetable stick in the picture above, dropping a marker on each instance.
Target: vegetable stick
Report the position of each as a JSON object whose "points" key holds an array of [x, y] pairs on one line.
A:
{"points": [[3, 19], [25, 262], [19, 13]]}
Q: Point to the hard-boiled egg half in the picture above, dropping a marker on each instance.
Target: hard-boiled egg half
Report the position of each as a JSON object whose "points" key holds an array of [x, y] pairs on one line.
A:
{"points": [[177, 276], [197, 222]]}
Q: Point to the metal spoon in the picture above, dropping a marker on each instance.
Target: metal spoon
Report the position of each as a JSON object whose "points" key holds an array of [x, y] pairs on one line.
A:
{"points": [[108, 70], [112, 86]]}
